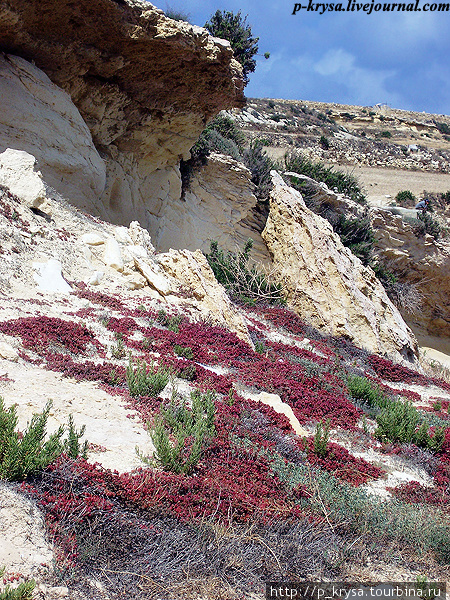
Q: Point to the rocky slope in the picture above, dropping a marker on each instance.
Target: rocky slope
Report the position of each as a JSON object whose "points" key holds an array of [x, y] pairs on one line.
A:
{"points": [[79, 298], [389, 151], [143, 86]]}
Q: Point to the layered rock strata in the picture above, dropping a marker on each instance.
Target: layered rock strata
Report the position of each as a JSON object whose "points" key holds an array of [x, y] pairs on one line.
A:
{"points": [[420, 260], [144, 85]]}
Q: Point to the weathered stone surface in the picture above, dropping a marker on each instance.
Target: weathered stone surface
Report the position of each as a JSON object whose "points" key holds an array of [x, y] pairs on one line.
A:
{"points": [[8, 352], [49, 277], [216, 207], [192, 271], [40, 118], [155, 279], [112, 255], [422, 261], [19, 174], [325, 283], [144, 84]]}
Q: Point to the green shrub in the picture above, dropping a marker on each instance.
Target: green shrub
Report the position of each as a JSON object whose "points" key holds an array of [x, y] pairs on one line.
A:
{"points": [[241, 281], [234, 28], [401, 422], [397, 422], [172, 323], [321, 438], [442, 128], [260, 165], [357, 235], [177, 15], [184, 352], [386, 134], [428, 225], [344, 183], [324, 142], [23, 591], [405, 198], [260, 347], [146, 380], [192, 429], [25, 453], [364, 390]]}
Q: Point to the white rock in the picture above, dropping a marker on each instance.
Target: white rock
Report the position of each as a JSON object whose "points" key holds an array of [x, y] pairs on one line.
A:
{"points": [[18, 173], [8, 352], [141, 236], [121, 234], [49, 277], [135, 281], [279, 406], [41, 119], [91, 239], [96, 277], [156, 280], [112, 255], [137, 252]]}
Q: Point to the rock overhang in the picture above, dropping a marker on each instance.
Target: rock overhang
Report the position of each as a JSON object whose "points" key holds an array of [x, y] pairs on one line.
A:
{"points": [[150, 66]]}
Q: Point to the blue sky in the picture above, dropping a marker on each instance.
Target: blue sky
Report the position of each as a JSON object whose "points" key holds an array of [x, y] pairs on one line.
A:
{"points": [[398, 58]]}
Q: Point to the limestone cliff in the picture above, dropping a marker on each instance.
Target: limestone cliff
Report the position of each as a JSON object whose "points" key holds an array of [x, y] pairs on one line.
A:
{"points": [[325, 283], [422, 261], [144, 84]]}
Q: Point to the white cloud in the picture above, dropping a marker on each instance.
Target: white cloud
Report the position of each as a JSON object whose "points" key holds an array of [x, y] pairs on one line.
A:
{"points": [[366, 86]]}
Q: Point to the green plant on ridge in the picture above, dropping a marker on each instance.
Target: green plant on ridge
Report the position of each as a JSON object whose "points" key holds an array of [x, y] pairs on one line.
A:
{"points": [[25, 453], [23, 591], [321, 438], [191, 428], [146, 380]]}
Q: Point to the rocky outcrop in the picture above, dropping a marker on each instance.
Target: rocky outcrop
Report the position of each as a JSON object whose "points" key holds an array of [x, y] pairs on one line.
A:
{"points": [[40, 119], [192, 271], [325, 283], [144, 85], [422, 261], [217, 206]]}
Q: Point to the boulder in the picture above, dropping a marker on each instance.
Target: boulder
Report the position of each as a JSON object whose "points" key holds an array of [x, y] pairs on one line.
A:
{"points": [[325, 283], [19, 174], [193, 273], [49, 277]]}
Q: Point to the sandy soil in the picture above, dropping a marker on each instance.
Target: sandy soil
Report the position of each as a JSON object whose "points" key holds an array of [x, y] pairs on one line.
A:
{"points": [[380, 182]]}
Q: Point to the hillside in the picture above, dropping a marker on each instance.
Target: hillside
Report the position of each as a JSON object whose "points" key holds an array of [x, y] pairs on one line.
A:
{"points": [[186, 414]]}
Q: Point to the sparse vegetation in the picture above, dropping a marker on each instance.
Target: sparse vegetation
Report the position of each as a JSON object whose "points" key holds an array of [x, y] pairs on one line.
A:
{"points": [[177, 15], [24, 591], [192, 429], [321, 438], [260, 165], [405, 198], [342, 182], [24, 453], [232, 270], [146, 380]]}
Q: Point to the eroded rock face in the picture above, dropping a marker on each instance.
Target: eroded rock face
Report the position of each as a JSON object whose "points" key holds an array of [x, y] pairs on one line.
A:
{"points": [[423, 261], [217, 207], [144, 84], [193, 273], [39, 118], [325, 283]]}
